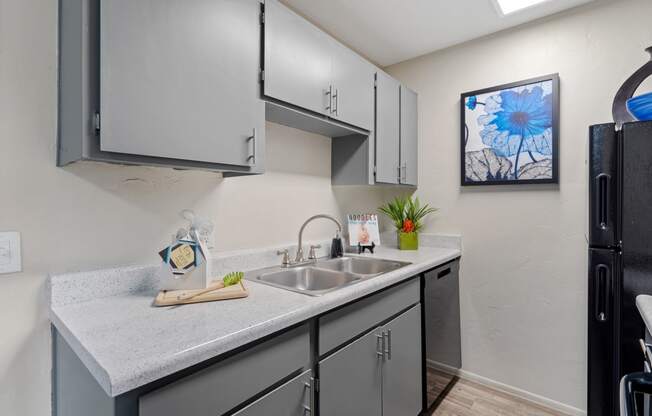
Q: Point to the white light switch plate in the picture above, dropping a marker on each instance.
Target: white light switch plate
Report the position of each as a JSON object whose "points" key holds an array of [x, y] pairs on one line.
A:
{"points": [[10, 260]]}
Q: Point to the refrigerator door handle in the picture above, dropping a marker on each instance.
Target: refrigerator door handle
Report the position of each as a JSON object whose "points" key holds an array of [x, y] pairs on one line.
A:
{"points": [[602, 281], [602, 200]]}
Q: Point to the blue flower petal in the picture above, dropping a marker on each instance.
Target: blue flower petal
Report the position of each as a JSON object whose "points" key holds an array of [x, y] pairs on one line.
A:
{"points": [[472, 102], [518, 119]]}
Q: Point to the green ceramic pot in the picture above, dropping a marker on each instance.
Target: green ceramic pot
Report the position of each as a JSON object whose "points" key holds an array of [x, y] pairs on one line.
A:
{"points": [[408, 241]]}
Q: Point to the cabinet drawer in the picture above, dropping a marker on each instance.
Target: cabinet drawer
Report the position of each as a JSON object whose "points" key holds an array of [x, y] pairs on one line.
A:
{"points": [[340, 326], [293, 398], [222, 386]]}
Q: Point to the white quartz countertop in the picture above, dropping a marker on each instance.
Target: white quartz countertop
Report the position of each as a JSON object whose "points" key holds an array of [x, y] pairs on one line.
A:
{"points": [[126, 342], [644, 305]]}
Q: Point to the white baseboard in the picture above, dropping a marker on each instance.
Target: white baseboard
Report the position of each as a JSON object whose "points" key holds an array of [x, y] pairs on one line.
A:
{"points": [[505, 388]]}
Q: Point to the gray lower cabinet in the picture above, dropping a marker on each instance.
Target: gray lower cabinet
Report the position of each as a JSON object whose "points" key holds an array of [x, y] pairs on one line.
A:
{"points": [[162, 83], [223, 386], [350, 380], [380, 373], [402, 370], [409, 138], [339, 327], [294, 398]]}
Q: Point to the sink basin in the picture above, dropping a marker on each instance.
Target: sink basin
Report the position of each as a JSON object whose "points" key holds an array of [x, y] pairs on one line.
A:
{"points": [[308, 280], [360, 265], [325, 275]]}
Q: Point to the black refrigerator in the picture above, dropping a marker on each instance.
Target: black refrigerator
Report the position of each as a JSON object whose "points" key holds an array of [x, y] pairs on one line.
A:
{"points": [[620, 256]]}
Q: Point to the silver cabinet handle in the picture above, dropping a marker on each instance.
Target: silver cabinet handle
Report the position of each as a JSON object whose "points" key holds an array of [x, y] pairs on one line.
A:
{"points": [[252, 157], [388, 351], [310, 386], [329, 93], [336, 97], [381, 338], [404, 172]]}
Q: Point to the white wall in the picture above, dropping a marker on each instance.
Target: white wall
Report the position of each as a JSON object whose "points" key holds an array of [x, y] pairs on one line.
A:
{"points": [[524, 265], [92, 215]]}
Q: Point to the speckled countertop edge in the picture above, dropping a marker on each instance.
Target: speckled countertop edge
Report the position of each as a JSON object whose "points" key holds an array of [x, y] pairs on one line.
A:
{"points": [[118, 370]]}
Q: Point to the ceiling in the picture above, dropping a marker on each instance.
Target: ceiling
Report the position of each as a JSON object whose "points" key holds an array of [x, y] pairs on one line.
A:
{"points": [[391, 31]]}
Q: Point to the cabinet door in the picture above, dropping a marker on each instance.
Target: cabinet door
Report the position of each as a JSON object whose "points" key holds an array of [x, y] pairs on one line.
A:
{"points": [[297, 60], [293, 398], [350, 380], [409, 137], [175, 81], [402, 382], [353, 84], [387, 128]]}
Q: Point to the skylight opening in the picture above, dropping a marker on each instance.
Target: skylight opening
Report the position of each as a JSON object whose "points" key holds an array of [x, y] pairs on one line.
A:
{"points": [[512, 6]]}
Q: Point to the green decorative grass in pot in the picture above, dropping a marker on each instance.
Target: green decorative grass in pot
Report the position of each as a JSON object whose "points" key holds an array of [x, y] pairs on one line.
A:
{"points": [[408, 214]]}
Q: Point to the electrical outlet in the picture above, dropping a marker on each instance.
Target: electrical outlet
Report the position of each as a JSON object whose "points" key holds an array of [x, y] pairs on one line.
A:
{"points": [[10, 259]]}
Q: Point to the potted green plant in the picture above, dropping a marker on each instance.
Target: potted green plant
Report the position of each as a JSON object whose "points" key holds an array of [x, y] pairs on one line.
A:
{"points": [[407, 214]]}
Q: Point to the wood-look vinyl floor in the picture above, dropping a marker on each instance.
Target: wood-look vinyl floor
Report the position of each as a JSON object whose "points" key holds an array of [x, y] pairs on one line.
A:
{"points": [[466, 398]]}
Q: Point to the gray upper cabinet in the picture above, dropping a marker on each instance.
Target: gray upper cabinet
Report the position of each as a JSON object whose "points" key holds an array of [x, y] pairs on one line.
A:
{"points": [[176, 83], [409, 137], [402, 372], [308, 69], [353, 87], [387, 128], [163, 83], [392, 151], [350, 380], [297, 60]]}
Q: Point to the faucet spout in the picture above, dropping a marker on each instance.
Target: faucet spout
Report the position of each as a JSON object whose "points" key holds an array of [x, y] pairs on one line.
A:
{"points": [[299, 257]]}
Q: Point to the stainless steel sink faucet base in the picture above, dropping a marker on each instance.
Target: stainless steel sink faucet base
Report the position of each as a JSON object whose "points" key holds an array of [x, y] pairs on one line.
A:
{"points": [[299, 257]]}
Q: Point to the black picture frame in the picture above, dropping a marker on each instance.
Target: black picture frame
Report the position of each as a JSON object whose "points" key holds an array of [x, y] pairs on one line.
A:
{"points": [[555, 132]]}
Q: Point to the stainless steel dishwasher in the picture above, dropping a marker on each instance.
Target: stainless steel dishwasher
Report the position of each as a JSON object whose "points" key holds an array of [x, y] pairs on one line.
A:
{"points": [[441, 324]]}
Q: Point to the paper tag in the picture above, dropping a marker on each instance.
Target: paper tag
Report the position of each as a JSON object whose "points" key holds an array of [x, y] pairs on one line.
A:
{"points": [[183, 256]]}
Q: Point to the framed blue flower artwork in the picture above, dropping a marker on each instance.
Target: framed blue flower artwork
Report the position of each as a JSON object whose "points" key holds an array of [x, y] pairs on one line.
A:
{"points": [[510, 133]]}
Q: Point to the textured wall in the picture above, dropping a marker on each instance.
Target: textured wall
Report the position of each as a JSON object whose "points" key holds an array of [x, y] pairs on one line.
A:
{"points": [[524, 266], [91, 215]]}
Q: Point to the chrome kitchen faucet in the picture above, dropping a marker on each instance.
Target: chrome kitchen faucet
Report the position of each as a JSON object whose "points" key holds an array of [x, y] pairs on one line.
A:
{"points": [[299, 259]]}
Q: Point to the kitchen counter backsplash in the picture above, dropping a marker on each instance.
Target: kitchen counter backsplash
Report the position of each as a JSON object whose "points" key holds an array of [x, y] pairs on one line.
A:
{"points": [[454, 241], [71, 288]]}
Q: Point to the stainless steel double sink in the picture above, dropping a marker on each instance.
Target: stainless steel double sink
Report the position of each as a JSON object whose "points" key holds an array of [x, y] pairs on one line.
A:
{"points": [[324, 275]]}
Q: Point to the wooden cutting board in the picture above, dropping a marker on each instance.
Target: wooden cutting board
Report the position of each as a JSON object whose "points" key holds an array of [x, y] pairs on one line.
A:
{"points": [[171, 297]]}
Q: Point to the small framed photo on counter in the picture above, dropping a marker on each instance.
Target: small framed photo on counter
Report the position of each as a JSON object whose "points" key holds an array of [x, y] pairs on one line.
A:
{"points": [[363, 230]]}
